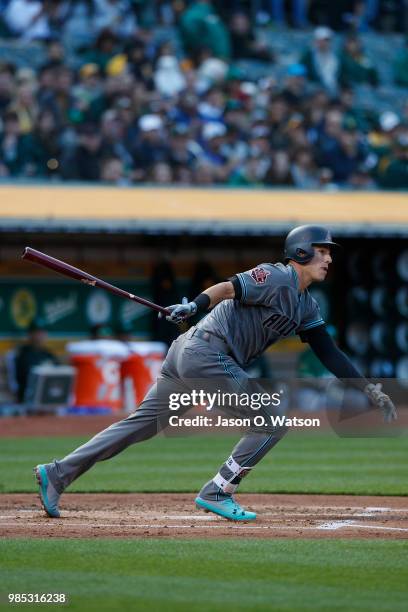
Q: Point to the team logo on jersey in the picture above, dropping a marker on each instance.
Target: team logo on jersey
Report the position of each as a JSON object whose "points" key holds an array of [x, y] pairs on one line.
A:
{"points": [[259, 275]]}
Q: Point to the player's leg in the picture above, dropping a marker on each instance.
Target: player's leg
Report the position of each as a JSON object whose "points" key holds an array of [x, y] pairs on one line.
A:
{"points": [[245, 455], [217, 494], [146, 422]]}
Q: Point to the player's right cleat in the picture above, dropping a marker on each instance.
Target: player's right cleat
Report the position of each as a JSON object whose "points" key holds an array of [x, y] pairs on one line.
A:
{"points": [[48, 495], [228, 508]]}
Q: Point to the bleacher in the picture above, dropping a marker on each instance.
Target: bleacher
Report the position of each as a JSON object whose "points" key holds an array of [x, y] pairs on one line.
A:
{"points": [[287, 46]]}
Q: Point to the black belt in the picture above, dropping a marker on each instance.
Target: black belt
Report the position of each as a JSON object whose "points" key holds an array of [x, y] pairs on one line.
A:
{"points": [[214, 341]]}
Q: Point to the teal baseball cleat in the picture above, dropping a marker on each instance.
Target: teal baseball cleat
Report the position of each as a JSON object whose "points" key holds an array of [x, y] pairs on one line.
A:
{"points": [[228, 508], [48, 495]]}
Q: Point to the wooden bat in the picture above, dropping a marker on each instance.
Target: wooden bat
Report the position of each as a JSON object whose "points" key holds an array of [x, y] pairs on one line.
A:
{"points": [[67, 270]]}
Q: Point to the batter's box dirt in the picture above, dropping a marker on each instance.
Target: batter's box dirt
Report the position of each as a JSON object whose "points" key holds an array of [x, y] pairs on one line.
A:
{"points": [[175, 516]]}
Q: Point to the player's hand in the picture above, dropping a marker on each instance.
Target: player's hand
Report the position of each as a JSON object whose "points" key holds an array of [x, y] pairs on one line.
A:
{"points": [[382, 400], [181, 312]]}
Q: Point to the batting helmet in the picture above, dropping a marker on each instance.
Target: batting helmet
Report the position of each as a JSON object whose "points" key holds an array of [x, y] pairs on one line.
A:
{"points": [[300, 241]]}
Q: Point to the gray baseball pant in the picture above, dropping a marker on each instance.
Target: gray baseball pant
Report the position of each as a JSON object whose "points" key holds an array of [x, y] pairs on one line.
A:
{"points": [[189, 358]]}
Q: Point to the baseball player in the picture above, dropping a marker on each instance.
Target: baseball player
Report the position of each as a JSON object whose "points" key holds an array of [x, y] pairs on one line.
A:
{"points": [[248, 313]]}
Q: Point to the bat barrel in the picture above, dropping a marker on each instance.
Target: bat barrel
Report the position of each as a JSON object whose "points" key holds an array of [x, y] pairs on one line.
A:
{"points": [[67, 270]]}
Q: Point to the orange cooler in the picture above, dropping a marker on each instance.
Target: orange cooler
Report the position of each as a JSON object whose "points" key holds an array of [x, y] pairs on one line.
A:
{"points": [[140, 370], [98, 382]]}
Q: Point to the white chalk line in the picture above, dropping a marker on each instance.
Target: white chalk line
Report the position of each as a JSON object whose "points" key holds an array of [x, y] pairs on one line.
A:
{"points": [[333, 525], [336, 519], [363, 512]]}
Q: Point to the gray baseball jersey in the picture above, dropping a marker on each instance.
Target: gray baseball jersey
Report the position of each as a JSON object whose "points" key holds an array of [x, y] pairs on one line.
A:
{"points": [[267, 306]]}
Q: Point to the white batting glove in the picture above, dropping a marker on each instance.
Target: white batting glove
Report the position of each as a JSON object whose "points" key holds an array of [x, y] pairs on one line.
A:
{"points": [[382, 400], [181, 312]]}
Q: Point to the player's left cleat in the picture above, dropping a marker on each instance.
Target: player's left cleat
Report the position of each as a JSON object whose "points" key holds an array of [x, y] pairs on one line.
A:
{"points": [[228, 508], [49, 497]]}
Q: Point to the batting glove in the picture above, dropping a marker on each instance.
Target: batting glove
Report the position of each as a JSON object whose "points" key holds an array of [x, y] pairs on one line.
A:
{"points": [[383, 401], [181, 312]]}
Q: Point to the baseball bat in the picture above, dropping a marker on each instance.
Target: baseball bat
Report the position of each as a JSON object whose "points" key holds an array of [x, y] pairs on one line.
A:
{"points": [[67, 270]]}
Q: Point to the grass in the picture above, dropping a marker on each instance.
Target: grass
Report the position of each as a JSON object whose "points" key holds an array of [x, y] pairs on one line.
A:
{"points": [[193, 575], [152, 574], [301, 463]]}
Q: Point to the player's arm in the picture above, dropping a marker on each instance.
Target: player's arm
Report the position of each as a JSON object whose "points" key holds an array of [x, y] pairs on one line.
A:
{"points": [[208, 299], [340, 365]]}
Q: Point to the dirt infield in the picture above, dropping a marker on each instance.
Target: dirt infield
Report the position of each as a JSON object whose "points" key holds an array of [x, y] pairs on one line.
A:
{"points": [[175, 516]]}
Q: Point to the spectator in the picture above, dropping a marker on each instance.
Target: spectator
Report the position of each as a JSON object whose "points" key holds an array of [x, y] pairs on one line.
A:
{"points": [[278, 112], [346, 157], [315, 108], [355, 115], [212, 106], [183, 150], [244, 42], [328, 134], [46, 81], [83, 163], [31, 354], [294, 91], [139, 64], [393, 174], [321, 61], [213, 139], [43, 147], [212, 72], [168, 78], [160, 174], [113, 171], [383, 136], [204, 173], [185, 111], [295, 133], [61, 99], [25, 104], [304, 170], [105, 48], [355, 67], [201, 28], [113, 134], [248, 174], [151, 146], [87, 94], [12, 147], [7, 85], [279, 173]]}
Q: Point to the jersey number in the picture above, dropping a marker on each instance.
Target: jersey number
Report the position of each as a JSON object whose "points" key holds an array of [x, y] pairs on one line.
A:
{"points": [[279, 323]]}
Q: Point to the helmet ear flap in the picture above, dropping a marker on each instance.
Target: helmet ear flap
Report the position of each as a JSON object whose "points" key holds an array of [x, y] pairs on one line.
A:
{"points": [[301, 253]]}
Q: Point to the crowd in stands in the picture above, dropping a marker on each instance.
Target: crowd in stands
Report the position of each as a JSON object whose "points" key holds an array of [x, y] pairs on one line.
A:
{"points": [[128, 108]]}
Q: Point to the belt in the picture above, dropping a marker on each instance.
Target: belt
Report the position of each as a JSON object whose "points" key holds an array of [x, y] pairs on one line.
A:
{"points": [[214, 341]]}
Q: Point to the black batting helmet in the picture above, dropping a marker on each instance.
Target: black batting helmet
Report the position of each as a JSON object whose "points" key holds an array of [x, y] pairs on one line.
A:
{"points": [[300, 241]]}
